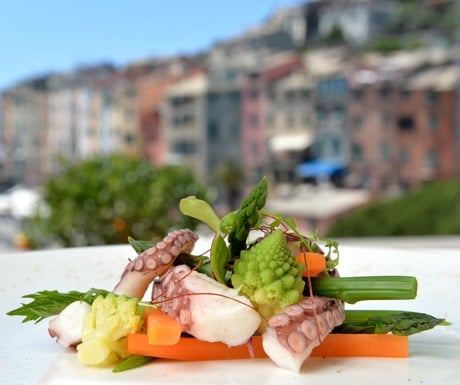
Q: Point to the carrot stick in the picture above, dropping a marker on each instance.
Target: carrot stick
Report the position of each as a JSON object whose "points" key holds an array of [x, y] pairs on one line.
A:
{"points": [[192, 349], [363, 345], [314, 263], [162, 329], [334, 345]]}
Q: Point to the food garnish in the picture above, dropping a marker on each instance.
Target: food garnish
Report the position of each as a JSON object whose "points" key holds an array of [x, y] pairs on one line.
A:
{"points": [[48, 303], [264, 289], [105, 328]]}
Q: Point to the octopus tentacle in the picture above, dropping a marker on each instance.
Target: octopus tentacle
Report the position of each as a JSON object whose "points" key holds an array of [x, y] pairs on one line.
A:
{"points": [[154, 262], [291, 335], [205, 308]]}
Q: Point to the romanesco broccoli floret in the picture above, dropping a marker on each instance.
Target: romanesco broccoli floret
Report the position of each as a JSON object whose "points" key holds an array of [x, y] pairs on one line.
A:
{"points": [[105, 329], [269, 275]]}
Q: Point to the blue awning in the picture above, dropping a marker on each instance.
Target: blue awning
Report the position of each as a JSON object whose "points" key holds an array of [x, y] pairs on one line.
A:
{"points": [[319, 168]]}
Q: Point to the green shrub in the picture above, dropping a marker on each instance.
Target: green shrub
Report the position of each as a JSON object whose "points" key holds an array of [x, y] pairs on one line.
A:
{"points": [[433, 209], [105, 199]]}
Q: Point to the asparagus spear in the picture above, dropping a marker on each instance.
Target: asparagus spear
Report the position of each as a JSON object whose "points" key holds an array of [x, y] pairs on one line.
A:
{"points": [[402, 323], [247, 218]]}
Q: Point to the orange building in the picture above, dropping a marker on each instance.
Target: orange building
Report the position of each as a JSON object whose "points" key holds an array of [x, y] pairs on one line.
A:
{"points": [[151, 90]]}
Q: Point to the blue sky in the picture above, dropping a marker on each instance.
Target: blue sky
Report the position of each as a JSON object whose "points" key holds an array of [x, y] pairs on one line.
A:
{"points": [[40, 36]]}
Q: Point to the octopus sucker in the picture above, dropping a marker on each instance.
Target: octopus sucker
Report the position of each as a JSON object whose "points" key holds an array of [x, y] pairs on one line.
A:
{"points": [[291, 335], [154, 262]]}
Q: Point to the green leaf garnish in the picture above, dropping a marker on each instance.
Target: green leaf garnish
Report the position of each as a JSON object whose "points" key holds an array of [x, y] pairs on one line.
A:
{"points": [[140, 246], [220, 256], [200, 263], [48, 303], [201, 210]]}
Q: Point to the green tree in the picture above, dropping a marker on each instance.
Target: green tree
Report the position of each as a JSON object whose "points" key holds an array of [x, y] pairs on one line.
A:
{"points": [[229, 177], [105, 199], [335, 36], [385, 44]]}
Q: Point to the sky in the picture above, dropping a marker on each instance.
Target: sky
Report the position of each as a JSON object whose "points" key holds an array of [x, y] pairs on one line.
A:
{"points": [[39, 37]]}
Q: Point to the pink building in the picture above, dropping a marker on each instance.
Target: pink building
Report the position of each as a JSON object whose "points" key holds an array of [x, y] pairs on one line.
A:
{"points": [[402, 129], [255, 104]]}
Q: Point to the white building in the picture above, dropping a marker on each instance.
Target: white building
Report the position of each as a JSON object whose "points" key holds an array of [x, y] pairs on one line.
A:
{"points": [[359, 20]]}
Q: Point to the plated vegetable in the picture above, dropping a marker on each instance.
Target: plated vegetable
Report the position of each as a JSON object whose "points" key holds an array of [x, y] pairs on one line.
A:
{"points": [[263, 290]]}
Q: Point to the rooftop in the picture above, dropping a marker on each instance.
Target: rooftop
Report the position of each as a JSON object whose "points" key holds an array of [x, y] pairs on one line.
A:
{"points": [[318, 202]]}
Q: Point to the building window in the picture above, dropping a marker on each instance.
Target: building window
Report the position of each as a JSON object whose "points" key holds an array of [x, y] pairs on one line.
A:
{"points": [[406, 123], [184, 147], [254, 94], [319, 147], [333, 86], [322, 88], [384, 92], [385, 120], [253, 120], [269, 119], [405, 94], [305, 118], [177, 121], [357, 152], [213, 131], [234, 97], [129, 138], [233, 128], [338, 114], [290, 96], [358, 94], [432, 123], [185, 120], [178, 101], [271, 93], [339, 86], [188, 120], [431, 159], [213, 97], [404, 156], [357, 122], [231, 74], [431, 96], [384, 151], [321, 116], [290, 120], [305, 94], [336, 146]]}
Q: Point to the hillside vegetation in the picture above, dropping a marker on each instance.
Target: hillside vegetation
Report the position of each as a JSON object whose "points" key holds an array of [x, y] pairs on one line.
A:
{"points": [[433, 209]]}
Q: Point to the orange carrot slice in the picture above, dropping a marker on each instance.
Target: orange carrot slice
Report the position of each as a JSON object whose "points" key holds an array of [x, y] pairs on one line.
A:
{"points": [[314, 263], [162, 329], [192, 349], [334, 345], [363, 345]]}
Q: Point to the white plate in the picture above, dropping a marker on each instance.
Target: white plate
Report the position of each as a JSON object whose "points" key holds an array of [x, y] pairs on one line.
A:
{"points": [[29, 356]]}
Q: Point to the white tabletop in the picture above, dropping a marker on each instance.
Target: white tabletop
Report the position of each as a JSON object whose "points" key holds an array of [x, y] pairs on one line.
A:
{"points": [[29, 356]]}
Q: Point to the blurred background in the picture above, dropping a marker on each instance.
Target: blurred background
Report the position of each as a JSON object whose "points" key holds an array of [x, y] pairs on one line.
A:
{"points": [[110, 113]]}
